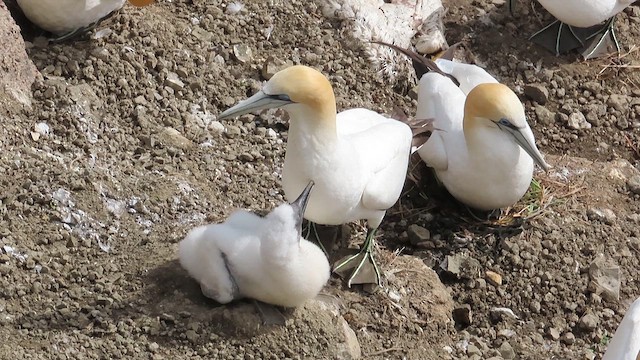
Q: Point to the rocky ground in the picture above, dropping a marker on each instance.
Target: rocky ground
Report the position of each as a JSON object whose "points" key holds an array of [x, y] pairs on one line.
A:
{"points": [[118, 154]]}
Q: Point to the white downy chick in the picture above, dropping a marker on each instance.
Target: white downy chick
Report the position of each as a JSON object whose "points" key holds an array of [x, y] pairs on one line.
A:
{"points": [[263, 258]]}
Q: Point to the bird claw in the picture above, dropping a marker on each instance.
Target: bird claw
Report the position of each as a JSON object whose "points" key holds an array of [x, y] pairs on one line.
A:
{"points": [[365, 269], [604, 40], [557, 37]]}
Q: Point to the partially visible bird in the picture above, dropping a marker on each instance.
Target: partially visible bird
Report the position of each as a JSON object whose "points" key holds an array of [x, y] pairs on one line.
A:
{"points": [[579, 20], [262, 258], [625, 343], [67, 18], [482, 150], [358, 158]]}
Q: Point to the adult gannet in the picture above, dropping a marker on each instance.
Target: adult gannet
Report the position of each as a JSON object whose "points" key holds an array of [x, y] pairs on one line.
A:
{"points": [[357, 158], [485, 150], [625, 344], [249, 256], [560, 36], [66, 18]]}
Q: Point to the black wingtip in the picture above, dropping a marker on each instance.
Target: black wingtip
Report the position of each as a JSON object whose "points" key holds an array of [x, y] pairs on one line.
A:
{"points": [[421, 64]]}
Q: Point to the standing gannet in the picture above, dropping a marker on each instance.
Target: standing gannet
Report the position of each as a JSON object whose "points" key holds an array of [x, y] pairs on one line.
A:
{"points": [[262, 258], [625, 344], [357, 158], [483, 149], [560, 36], [66, 18]]}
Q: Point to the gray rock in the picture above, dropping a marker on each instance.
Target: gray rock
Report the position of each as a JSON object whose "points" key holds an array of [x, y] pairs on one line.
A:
{"points": [[604, 278], [507, 351], [603, 215], [544, 115], [473, 350], [418, 234], [242, 53], [619, 102], [461, 265], [173, 81], [554, 333], [588, 322], [633, 183], [578, 121], [568, 338], [537, 93]]}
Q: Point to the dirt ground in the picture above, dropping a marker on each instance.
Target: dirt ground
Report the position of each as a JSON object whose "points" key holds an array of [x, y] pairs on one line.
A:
{"points": [[120, 154]]}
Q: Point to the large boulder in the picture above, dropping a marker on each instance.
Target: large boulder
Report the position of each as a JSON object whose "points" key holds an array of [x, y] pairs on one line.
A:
{"points": [[17, 72]]}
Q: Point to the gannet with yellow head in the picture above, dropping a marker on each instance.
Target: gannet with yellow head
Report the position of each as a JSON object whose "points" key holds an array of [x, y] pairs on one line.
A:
{"points": [[485, 152], [262, 258], [358, 158], [66, 17], [625, 343]]}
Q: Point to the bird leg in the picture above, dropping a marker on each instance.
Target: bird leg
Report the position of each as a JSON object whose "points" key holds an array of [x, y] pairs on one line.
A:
{"points": [[557, 37], [604, 40], [365, 269], [311, 230]]}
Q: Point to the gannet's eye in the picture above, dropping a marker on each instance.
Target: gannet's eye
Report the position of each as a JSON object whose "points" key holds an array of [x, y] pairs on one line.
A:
{"points": [[282, 97], [505, 122]]}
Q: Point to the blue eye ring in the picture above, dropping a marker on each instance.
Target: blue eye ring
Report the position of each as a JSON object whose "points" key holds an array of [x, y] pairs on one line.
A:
{"points": [[505, 122]]}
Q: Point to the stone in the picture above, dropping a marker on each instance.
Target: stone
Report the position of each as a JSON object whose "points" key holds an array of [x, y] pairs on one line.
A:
{"points": [[462, 315], [604, 275], [473, 350], [418, 234], [619, 102], [507, 351], [537, 93], [554, 333], [633, 183], [494, 278], [242, 53], [544, 115], [588, 322], [578, 121], [18, 72], [568, 338], [172, 137], [461, 265], [173, 81], [603, 215]]}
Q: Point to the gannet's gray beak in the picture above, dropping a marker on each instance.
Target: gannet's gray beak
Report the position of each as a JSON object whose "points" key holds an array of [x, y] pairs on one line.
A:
{"points": [[258, 101], [524, 138], [300, 204]]}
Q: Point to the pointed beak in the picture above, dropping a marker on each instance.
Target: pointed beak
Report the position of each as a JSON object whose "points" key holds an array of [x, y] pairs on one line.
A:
{"points": [[300, 204], [525, 139], [259, 101]]}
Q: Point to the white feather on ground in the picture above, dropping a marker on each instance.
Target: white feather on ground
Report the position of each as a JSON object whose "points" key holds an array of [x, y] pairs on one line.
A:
{"points": [[400, 22]]}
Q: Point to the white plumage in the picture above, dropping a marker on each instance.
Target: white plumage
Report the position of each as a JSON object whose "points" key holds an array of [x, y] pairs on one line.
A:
{"points": [[484, 149], [625, 344], [358, 158], [249, 256], [64, 16]]}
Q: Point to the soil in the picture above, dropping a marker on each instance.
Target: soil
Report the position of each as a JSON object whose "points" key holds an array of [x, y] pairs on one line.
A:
{"points": [[120, 154]]}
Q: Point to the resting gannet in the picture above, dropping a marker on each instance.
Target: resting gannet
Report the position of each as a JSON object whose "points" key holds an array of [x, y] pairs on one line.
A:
{"points": [[482, 150], [625, 344], [262, 258], [358, 158], [560, 36], [65, 18]]}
